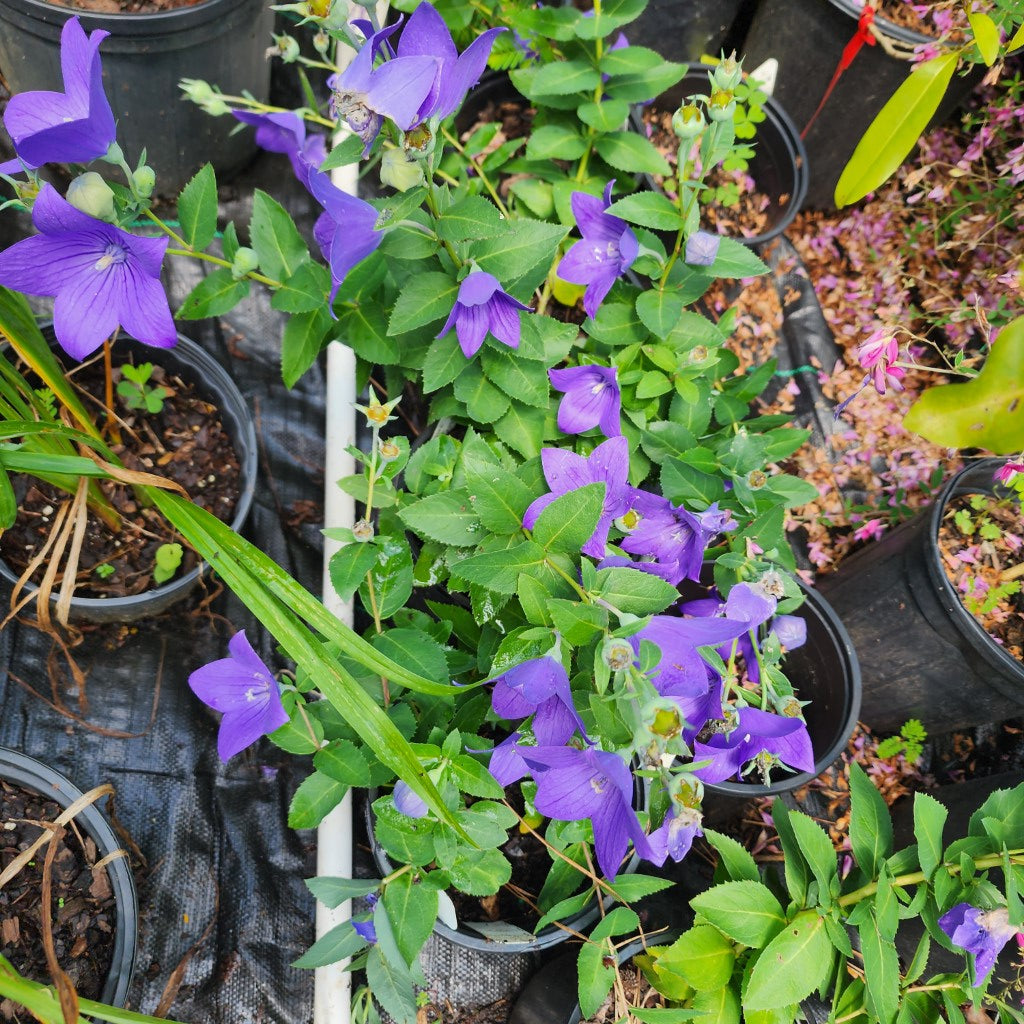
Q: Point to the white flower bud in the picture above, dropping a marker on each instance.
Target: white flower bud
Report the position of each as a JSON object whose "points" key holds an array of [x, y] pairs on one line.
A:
{"points": [[92, 195]]}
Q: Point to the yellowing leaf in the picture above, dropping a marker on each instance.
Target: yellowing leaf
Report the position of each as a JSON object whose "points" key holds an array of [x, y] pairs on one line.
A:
{"points": [[898, 126], [987, 412], [986, 35]]}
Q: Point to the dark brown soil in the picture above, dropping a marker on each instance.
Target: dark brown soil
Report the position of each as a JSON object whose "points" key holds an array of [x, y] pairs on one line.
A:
{"points": [[83, 912], [185, 442], [126, 6], [493, 1013], [982, 553]]}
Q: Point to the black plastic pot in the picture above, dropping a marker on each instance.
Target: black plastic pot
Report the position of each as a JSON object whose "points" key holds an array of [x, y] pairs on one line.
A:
{"points": [[807, 38], [29, 773], [924, 655], [212, 382], [221, 41], [779, 164], [826, 672]]}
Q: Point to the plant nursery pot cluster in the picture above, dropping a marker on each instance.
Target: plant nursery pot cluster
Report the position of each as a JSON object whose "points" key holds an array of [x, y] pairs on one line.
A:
{"points": [[144, 57], [807, 39], [94, 909], [924, 654], [219, 393]]}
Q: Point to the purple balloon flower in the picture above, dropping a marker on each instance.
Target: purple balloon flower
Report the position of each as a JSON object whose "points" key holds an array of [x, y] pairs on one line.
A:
{"points": [[606, 251], [982, 933], [507, 765], [670, 534], [676, 834], [756, 732], [539, 687], [790, 630], [427, 35], [592, 399], [99, 276], [346, 231], [74, 126], [363, 95], [573, 785], [285, 132], [565, 471], [482, 306], [702, 249], [245, 690], [408, 802]]}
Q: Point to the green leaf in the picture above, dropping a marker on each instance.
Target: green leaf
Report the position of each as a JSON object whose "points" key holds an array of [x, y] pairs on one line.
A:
{"points": [[197, 209], [522, 379], [332, 892], [522, 428], [986, 35], [563, 77], [348, 151], [745, 911], [881, 972], [469, 217], [446, 516], [794, 863], [637, 86], [630, 888], [659, 310], [791, 966], [870, 824], [444, 362], [578, 623], [473, 778], [307, 289], [735, 858], [316, 797], [606, 116], [649, 210], [896, 128], [344, 762], [570, 520], [8, 501], [555, 141], [518, 249], [215, 294], [341, 942], [721, 1006], [499, 570], [426, 298], [275, 238], [929, 819], [634, 591], [734, 259], [411, 910], [304, 336], [498, 497], [986, 412], [818, 851], [392, 579], [415, 649], [627, 151], [389, 978], [703, 956], [348, 568], [479, 872], [595, 979]]}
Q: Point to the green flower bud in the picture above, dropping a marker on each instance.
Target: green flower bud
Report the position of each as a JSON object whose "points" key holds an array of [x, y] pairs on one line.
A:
{"points": [[721, 105], [688, 121], [114, 155], [244, 262], [728, 73], [196, 90], [286, 48], [145, 181], [398, 171], [92, 195]]}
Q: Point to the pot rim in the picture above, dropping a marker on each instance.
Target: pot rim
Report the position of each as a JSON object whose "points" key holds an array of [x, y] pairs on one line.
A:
{"points": [[974, 478], [212, 377], [125, 23], [33, 774]]}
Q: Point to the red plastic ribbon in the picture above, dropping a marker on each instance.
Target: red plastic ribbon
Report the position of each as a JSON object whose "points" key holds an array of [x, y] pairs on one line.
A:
{"points": [[860, 37]]}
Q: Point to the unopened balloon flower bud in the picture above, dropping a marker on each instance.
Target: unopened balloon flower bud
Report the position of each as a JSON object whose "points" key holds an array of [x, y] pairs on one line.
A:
{"points": [[362, 530], [618, 655], [92, 195], [144, 179], [688, 121], [722, 105], [398, 171], [245, 262], [728, 73], [284, 47]]}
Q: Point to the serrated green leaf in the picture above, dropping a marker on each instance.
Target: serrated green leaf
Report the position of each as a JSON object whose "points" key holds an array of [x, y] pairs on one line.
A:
{"points": [[896, 128], [469, 217], [659, 310], [415, 649], [745, 911], [426, 298], [344, 762], [215, 294], [197, 209], [735, 858], [881, 972], [791, 966], [447, 516], [303, 338], [703, 956], [275, 238], [606, 116], [929, 819], [555, 141], [392, 578], [484, 402], [722, 1005], [332, 891], [818, 851], [870, 824], [340, 943], [443, 363], [570, 520], [522, 428], [796, 869], [411, 909], [563, 77], [316, 797], [499, 570], [522, 379], [649, 210], [348, 151], [628, 151], [524, 245], [734, 259], [307, 289], [389, 978], [634, 591], [498, 497], [348, 568]]}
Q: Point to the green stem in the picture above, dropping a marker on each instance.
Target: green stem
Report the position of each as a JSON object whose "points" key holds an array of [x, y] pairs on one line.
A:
{"points": [[478, 170], [583, 595], [208, 258]]}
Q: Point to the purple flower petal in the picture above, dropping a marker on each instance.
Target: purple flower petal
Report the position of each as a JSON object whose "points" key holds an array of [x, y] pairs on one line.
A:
{"points": [[408, 802]]}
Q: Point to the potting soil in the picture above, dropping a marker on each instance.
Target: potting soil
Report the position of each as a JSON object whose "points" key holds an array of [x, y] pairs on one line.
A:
{"points": [[223, 907]]}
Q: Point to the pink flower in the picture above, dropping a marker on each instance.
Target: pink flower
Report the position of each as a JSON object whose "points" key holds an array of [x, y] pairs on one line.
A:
{"points": [[1004, 474]]}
